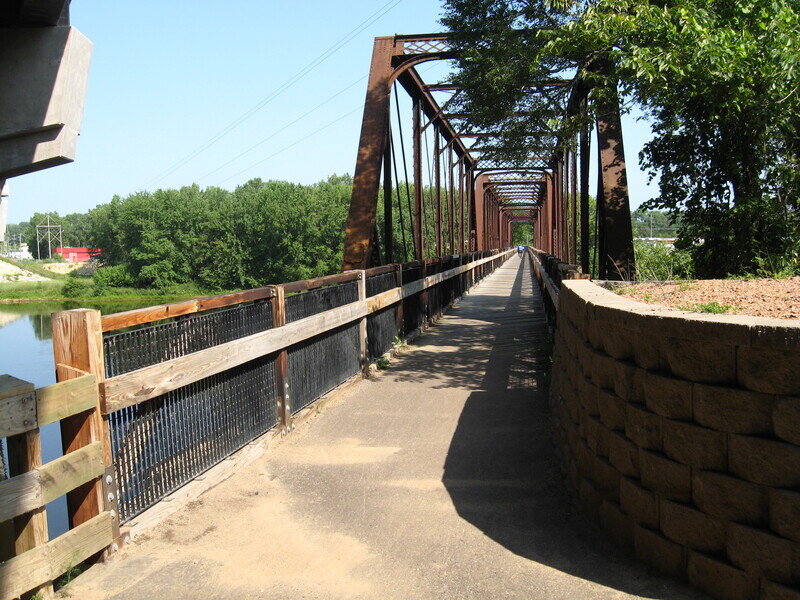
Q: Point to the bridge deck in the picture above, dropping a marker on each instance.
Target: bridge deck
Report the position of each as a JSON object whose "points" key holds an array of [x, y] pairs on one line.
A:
{"points": [[434, 479]]}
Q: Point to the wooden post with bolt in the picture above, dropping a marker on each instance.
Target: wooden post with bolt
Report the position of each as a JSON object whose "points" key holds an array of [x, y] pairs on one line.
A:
{"points": [[78, 350], [25, 454], [362, 326], [282, 363]]}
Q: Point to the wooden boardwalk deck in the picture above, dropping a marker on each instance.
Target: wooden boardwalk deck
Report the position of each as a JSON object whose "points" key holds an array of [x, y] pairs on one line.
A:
{"points": [[434, 479]]}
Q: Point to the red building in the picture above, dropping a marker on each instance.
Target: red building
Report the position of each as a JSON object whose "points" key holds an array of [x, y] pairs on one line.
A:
{"points": [[77, 255]]}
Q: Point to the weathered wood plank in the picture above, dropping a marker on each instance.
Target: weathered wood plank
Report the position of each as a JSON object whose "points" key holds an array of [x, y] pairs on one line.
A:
{"points": [[46, 562], [11, 386], [146, 383], [66, 398], [19, 495], [311, 284], [140, 316], [17, 414], [67, 472]]}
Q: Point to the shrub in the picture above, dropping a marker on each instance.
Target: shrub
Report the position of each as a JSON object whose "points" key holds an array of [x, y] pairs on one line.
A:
{"points": [[75, 288], [657, 262], [116, 276]]}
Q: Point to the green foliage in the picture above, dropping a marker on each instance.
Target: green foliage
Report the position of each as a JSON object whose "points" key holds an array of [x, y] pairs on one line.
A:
{"points": [[75, 288], [719, 80], [262, 232], [710, 307], [653, 223], [382, 364], [658, 262]]}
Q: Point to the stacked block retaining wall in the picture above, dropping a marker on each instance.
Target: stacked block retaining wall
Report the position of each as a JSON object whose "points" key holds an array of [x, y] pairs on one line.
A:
{"points": [[680, 434]]}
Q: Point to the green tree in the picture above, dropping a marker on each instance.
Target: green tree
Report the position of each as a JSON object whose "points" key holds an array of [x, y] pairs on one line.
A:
{"points": [[718, 79]]}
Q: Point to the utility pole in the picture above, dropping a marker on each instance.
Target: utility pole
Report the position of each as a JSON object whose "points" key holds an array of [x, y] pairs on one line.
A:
{"points": [[44, 230]]}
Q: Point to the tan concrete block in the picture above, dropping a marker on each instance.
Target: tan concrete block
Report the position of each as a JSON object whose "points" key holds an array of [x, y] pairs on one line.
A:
{"points": [[776, 591], [786, 419], [695, 446], [603, 440], [612, 410], [643, 427], [589, 499], [730, 498], [639, 503], [629, 382], [649, 352], [659, 552], [720, 579], [665, 476], [668, 396], [784, 513], [760, 552], [701, 361], [588, 393], [768, 370], [590, 427], [603, 370], [617, 525], [623, 454], [606, 479], [732, 410], [768, 462], [618, 342], [689, 527]]}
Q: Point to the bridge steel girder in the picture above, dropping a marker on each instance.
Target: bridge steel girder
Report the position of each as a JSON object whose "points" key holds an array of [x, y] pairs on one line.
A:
{"points": [[486, 194]]}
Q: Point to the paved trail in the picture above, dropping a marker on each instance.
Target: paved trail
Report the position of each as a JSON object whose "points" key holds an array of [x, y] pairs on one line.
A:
{"points": [[433, 480]]}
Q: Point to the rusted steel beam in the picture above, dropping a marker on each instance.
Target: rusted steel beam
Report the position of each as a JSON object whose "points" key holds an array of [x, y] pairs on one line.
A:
{"points": [[583, 143], [366, 180], [451, 215], [437, 173], [617, 256], [417, 160], [388, 218]]}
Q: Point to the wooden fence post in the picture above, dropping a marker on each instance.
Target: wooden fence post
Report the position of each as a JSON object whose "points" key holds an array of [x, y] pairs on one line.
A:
{"points": [[282, 363], [78, 349], [25, 454], [362, 326], [398, 278]]}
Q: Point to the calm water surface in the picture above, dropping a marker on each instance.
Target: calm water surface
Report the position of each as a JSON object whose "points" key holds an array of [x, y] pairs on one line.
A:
{"points": [[26, 352]]}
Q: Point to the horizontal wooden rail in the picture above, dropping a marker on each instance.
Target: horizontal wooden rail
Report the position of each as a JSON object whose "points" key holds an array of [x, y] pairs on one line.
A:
{"points": [[34, 489], [311, 284], [49, 561], [140, 316], [543, 277], [28, 409], [152, 381]]}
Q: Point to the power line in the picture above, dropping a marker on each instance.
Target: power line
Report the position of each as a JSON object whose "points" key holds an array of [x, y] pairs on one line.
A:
{"points": [[286, 85], [284, 128], [302, 139]]}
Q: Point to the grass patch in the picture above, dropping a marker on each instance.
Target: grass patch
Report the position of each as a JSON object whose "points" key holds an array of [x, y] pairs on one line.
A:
{"points": [[83, 289], [714, 308]]}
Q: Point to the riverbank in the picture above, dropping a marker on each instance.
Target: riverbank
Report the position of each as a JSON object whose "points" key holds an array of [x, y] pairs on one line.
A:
{"points": [[83, 291]]}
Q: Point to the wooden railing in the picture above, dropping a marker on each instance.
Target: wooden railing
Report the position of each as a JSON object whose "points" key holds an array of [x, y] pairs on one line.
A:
{"points": [[549, 272], [83, 399], [38, 560]]}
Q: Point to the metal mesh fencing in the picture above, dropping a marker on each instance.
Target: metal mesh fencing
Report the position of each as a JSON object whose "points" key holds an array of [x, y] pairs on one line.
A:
{"points": [[318, 365], [413, 310], [162, 444], [382, 325]]}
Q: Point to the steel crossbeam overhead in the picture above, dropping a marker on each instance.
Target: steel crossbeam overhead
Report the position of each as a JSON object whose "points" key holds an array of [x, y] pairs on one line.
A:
{"points": [[477, 187]]}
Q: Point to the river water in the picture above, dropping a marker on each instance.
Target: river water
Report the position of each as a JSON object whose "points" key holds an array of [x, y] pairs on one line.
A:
{"points": [[26, 352]]}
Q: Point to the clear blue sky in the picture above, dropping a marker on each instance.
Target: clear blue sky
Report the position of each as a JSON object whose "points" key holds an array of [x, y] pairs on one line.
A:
{"points": [[167, 76]]}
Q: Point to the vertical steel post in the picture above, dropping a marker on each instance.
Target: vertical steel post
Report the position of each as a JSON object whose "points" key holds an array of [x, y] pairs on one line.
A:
{"points": [[366, 179], [438, 184], [418, 208], [388, 217], [583, 142], [461, 205], [451, 216], [618, 256]]}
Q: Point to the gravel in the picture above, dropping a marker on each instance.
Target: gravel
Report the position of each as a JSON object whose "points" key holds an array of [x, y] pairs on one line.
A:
{"points": [[777, 298]]}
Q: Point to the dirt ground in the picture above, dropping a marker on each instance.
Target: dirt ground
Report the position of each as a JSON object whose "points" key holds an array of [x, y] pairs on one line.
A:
{"points": [[777, 298], [9, 272]]}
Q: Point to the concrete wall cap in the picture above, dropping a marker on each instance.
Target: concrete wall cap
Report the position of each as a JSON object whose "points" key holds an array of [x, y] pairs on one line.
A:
{"points": [[740, 329]]}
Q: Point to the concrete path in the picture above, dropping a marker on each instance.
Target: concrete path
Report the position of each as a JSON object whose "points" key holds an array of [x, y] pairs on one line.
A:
{"points": [[433, 480]]}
